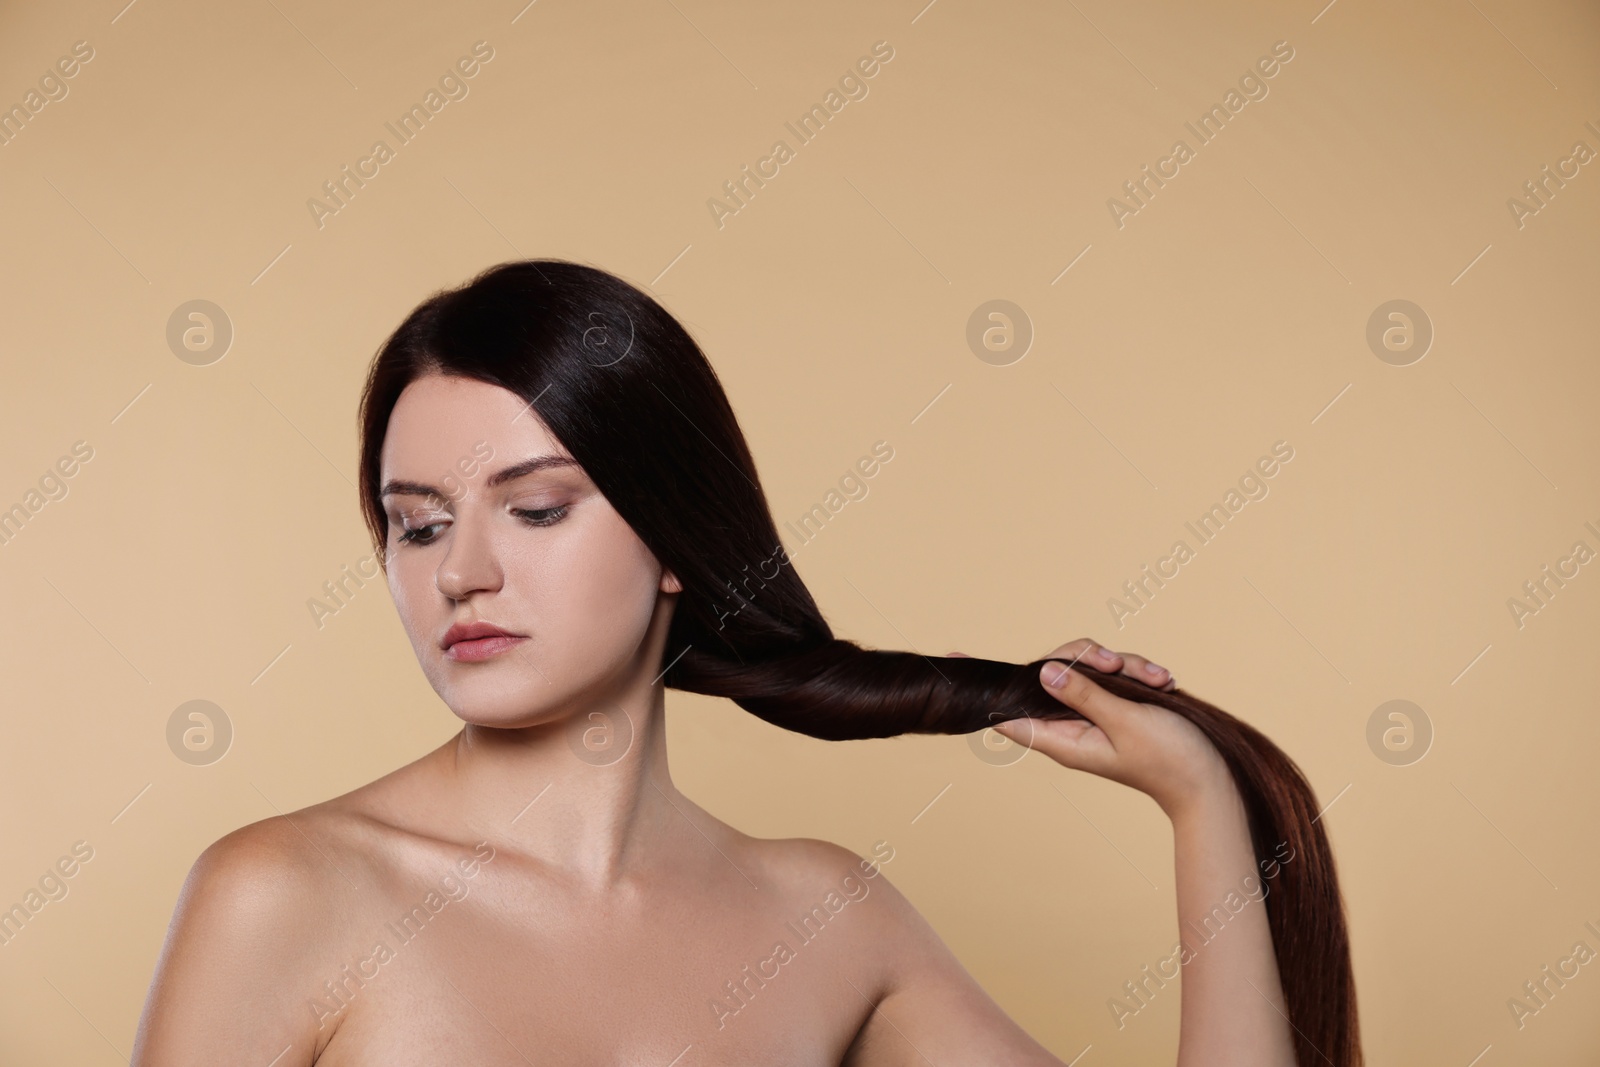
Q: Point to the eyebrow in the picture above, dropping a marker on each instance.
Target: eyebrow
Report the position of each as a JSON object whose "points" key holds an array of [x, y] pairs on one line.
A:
{"points": [[397, 486]]}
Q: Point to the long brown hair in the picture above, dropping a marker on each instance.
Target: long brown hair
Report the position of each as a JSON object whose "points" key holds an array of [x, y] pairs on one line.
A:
{"points": [[627, 391]]}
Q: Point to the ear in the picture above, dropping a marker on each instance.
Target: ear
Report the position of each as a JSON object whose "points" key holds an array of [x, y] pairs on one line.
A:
{"points": [[669, 582]]}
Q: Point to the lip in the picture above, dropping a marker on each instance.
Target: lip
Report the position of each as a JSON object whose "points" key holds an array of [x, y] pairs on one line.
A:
{"points": [[472, 642]]}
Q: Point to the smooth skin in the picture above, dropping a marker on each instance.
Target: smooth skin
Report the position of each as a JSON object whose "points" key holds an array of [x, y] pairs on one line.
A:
{"points": [[513, 897]]}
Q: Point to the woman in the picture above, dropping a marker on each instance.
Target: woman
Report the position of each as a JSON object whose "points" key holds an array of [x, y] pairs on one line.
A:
{"points": [[571, 522]]}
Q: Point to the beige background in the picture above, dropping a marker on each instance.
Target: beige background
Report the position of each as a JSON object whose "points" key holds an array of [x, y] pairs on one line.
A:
{"points": [[1228, 314]]}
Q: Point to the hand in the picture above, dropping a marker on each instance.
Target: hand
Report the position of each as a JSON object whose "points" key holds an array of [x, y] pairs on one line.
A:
{"points": [[1144, 746]]}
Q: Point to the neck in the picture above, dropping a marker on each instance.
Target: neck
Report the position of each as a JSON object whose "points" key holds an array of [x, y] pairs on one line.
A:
{"points": [[589, 795]]}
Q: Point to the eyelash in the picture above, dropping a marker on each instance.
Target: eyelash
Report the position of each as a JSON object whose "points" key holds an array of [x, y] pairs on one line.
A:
{"points": [[548, 517]]}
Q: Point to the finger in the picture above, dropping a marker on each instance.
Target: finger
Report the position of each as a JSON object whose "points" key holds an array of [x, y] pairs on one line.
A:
{"points": [[1073, 688], [1075, 743], [1089, 650], [1142, 670], [1135, 666], [963, 655]]}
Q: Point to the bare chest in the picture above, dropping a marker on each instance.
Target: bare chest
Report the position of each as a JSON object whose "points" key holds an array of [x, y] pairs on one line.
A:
{"points": [[697, 980]]}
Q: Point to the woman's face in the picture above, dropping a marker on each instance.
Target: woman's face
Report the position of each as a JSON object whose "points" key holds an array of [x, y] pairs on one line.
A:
{"points": [[539, 554]]}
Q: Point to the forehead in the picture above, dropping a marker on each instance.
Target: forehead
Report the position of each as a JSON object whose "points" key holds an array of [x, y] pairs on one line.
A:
{"points": [[440, 419]]}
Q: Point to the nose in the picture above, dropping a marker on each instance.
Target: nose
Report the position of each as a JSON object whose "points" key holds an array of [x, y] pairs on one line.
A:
{"points": [[471, 561]]}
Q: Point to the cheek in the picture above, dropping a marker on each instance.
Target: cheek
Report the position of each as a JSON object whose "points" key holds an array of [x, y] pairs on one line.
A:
{"points": [[401, 582], [594, 592], [416, 599]]}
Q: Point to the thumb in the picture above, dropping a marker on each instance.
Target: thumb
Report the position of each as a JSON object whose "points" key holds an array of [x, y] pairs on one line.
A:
{"points": [[1072, 687]]}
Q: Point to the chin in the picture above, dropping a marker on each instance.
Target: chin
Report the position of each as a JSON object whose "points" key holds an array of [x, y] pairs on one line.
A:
{"points": [[505, 702], [492, 721], [501, 713]]}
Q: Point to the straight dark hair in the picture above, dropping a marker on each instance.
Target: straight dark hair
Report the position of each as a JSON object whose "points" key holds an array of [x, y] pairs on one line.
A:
{"points": [[621, 384]]}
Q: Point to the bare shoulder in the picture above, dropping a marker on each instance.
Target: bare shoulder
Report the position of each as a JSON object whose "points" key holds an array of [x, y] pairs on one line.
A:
{"points": [[922, 994], [814, 867], [806, 858], [252, 911], [281, 863], [302, 873], [244, 863]]}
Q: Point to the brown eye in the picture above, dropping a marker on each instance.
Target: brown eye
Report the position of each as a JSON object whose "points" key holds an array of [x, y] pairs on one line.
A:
{"points": [[419, 535], [541, 516]]}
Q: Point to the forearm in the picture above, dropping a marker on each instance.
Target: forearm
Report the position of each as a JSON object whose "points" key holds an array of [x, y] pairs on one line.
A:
{"points": [[1232, 1007]]}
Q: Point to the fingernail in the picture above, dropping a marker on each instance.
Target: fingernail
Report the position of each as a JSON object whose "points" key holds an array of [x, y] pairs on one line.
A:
{"points": [[1052, 674], [1156, 669]]}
